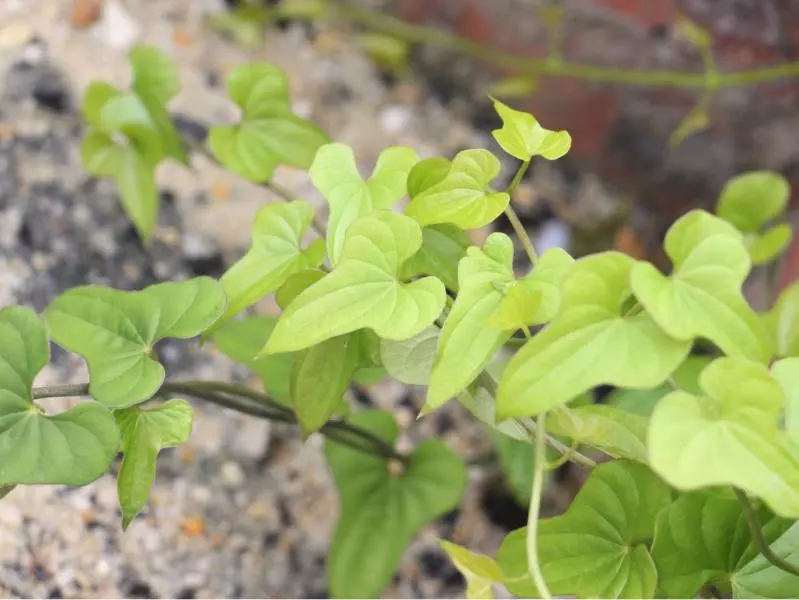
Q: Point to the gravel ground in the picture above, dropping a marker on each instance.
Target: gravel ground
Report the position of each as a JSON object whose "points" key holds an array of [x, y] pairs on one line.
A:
{"points": [[244, 509]]}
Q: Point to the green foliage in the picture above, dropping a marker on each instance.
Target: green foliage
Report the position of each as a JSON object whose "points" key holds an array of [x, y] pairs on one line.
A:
{"points": [[522, 137], [598, 549], [383, 505], [74, 447], [116, 331], [480, 571], [145, 432], [456, 192], [269, 133], [443, 246], [759, 578], [616, 432], [363, 290], [410, 361], [782, 322]]}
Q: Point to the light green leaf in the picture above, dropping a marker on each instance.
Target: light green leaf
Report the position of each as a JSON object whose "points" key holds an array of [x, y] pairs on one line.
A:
{"points": [[363, 290], [701, 538], [765, 247], [597, 549], [480, 403], [462, 196], [410, 361], [269, 134], [518, 308], [335, 174], [443, 246], [382, 510], [589, 343], [480, 571], [616, 432], [515, 86], [751, 200], [760, 579], [74, 447], [702, 297], [241, 340], [170, 138], [296, 284], [154, 73], [467, 342], [782, 323], [275, 254], [786, 372], [321, 375], [697, 119], [124, 116], [115, 332], [522, 136], [729, 436], [145, 432]]}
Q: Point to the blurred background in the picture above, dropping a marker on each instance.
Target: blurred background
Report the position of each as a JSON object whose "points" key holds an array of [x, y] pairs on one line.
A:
{"points": [[664, 99]]}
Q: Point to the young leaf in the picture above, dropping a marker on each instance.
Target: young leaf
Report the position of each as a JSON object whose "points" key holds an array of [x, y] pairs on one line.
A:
{"points": [[443, 246], [765, 247], [115, 332], [335, 174], [702, 297], [522, 137], [269, 134], [460, 195], [410, 361], [382, 510], [786, 372], [751, 200], [518, 308], [729, 436], [760, 579], [782, 322], [616, 432], [480, 571], [154, 73], [589, 343], [597, 549], [241, 340], [74, 447], [320, 376], [296, 284], [485, 276], [145, 432], [700, 539], [275, 254], [363, 290]]}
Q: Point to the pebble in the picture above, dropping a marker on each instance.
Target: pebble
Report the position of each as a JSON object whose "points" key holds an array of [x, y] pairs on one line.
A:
{"points": [[232, 474], [117, 28]]}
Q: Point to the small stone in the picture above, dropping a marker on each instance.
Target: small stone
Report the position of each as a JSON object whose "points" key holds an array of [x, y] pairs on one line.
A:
{"points": [[117, 29], [232, 475], [15, 35], [85, 13], [394, 119], [251, 438]]}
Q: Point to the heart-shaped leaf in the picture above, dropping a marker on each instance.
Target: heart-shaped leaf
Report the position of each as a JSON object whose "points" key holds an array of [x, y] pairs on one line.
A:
{"points": [[467, 342], [480, 571], [702, 297], [597, 549], [702, 538], [74, 447], [335, 174], [765, 247], [443, 246], [363, 290], [382, 509], [276, 253], [154, 73], [458, 192], [729, 436], [616, 432], [782, 322], [115, 332], [145, 432], [759, 578], [410, 361], [589, 343], [751, 200], [522, 137], [269, 134]]}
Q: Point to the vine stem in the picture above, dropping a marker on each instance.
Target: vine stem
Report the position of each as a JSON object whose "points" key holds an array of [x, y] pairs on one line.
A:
{"points": [[757, 536], [515, 222], [539, 461], [527, 65]]}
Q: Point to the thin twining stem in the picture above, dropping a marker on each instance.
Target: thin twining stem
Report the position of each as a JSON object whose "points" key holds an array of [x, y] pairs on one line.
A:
{"points": [[757, 536]]}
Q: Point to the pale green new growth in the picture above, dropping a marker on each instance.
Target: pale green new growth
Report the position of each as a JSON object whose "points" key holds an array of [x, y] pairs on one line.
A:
{"points": [[782, 323], [759, 578], [729, 436], [479, 570], [749, 201], [269, 134], [590, 343], [522, 136], [598, 548], [145, 432], [443, 246], [786, 372], [702, 297], [74, 447], [335, 174], [456, 192], [363, 290], [154, 73], [410, 361], [384, 505], [618, 433], [276, 253], [116, 331], [765, 247]]}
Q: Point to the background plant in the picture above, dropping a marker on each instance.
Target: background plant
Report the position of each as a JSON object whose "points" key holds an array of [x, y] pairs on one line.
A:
{"points": [[695, 485]]}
